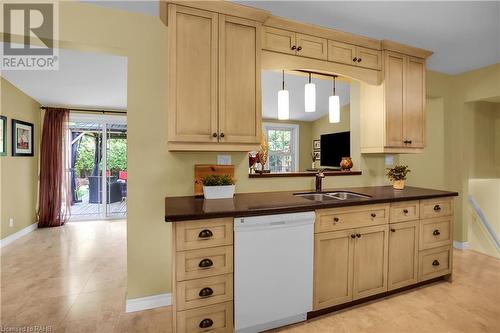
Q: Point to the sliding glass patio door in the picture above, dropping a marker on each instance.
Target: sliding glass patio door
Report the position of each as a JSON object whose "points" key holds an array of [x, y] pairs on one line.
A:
{"points": [[98, 166]]}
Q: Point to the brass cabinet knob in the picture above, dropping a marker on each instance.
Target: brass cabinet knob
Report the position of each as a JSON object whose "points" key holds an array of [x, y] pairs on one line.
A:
{"points": [[359, 59], [335, 219], [358, 235], [214, 135], [355, 59], [405, 211], [222, 135], [373, 215], [393, 230], [294, 47], [353, 236], [299, 48]]}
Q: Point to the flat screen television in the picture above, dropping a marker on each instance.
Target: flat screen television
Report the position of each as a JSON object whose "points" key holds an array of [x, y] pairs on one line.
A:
{"points": [[334, 146]]}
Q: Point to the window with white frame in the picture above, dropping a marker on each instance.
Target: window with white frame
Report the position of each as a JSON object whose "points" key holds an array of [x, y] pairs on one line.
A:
{"points": [[283, 143]]}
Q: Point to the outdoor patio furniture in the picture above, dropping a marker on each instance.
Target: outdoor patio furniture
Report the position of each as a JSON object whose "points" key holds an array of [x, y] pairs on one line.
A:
{"points": [[95, 190]]}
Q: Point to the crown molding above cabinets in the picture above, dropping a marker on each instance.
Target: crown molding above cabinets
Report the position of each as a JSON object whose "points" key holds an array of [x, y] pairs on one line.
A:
{"points": [[217, 50]]}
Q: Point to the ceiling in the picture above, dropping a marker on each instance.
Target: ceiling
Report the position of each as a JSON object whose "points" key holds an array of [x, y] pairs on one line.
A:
{"points": [[294, 83], [84, 80], [464, 35]]}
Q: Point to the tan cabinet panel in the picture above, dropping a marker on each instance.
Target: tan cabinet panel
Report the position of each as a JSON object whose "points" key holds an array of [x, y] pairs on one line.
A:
{"points": [[194, 264], [436, 208], [414, 119], [193, 47], [200, 234], [434, 262], [370, 261], [341, 52], [333, 268], [202, 292], [369, 58], [311, 46], [214, 318], [404, 211], [351, 217], [278, 40], [436, 232], [403, 254], [239, 82], [395, 99]]}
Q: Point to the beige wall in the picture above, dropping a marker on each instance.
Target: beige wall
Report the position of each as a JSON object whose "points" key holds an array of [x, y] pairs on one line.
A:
{"points": [[323, 126], [19, 175], [155, 173]]}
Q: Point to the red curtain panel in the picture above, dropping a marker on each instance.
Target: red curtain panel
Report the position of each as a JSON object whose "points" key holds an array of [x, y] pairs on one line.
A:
{"points": [[54, 198]]}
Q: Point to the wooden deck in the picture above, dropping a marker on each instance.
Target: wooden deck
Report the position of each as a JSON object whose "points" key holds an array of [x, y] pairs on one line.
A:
{"points": [[85, 209]]}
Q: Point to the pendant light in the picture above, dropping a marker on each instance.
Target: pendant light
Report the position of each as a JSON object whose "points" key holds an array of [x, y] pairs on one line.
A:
{"points": [[310, 96], [334, 106], [283, 102]]}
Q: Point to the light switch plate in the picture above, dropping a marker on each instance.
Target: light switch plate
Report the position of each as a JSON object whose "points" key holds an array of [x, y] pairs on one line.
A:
{"points": [[224, 159], [389, 160]]}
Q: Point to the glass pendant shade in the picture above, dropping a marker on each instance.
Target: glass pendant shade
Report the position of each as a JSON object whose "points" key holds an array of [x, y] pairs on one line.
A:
{"points": [[283, 105], [334, 109], [310, 97]]}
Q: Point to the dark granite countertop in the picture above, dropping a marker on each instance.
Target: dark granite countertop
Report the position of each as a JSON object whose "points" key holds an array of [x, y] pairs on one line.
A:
{"points": [[266, 203]]}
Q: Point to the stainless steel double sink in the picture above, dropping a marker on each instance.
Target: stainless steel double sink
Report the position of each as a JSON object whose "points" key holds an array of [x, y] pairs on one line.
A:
{"points": [[328, 196]]}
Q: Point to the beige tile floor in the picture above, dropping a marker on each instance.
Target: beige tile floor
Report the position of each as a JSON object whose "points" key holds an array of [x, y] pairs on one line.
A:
{"points": [[74, 279]]}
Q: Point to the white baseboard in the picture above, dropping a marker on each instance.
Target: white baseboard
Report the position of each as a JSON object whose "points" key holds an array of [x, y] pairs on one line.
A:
{"points": [[149, 302], [9, 239], [460, 245]]}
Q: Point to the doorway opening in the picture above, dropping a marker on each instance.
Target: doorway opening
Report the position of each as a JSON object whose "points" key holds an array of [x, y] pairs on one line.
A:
{"points": [[97, 155]]}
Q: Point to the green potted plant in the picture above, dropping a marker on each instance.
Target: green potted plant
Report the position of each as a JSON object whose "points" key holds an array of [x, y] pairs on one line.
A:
{"points": [[397, 175], [218, 187]]}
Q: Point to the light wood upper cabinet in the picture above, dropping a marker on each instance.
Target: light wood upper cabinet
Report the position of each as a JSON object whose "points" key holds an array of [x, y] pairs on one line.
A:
{"points": [[289, 42], [354, 55], [370, 261], [333, 268], [239, 80], [393, 113], [193, 54], [214, 81], [403, 254]]}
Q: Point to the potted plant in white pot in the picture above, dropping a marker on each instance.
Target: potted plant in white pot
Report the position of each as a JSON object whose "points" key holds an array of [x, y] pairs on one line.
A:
{"points": [[218, 187], [397, 175]]}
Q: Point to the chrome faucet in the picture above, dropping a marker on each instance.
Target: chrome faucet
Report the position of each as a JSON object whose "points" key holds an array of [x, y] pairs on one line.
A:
{"points": [[319, 178]]}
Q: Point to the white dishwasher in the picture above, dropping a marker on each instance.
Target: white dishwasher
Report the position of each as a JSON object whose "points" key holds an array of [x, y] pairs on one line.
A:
{"points": [[273, 270]]}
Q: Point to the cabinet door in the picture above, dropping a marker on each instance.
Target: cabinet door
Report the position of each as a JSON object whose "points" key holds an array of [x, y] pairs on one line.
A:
{"points": [[370, 261], [239, 80], [395, 98], [341, 52], [414, 116], [369, 58], [278, 40], [403, 254], [333, 268], [192, 114], [311, 46]]}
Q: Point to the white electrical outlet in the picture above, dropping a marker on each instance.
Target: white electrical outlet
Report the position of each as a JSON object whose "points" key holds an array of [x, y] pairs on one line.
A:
{"points": [[224, 159], [389, 160], [11, 222]]}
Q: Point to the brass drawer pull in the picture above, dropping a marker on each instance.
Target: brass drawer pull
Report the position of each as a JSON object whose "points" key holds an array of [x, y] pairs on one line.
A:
{"points": [[437, 208], [206, 323], [373, 215], [436, 232], [335, 219], [206, 263], [435, 263], [206, 292], [205, 234], [405, 211]]}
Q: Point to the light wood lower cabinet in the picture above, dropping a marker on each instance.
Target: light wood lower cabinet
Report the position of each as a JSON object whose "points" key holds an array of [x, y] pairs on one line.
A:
{"points": [[403, 254], [354, 259]]}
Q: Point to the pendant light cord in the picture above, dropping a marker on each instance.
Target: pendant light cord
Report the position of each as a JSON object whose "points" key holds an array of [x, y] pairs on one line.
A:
{"points": [[283, 82], [334, 84], [309, 77]]}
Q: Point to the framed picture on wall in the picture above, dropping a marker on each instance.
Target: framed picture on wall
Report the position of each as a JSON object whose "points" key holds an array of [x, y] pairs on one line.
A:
{"points": [[316, 145], [3, 135], [22, 138]]}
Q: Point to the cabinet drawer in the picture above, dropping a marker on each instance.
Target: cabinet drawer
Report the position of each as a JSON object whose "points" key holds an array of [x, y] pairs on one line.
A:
{"points": [[341, 52], [435, 232], [196, 264], [434, 262], [204, 233], [202, 292], [351, 217], [369, 58], [214, 318], [404, 211], [311, 46], [436, 207]]}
